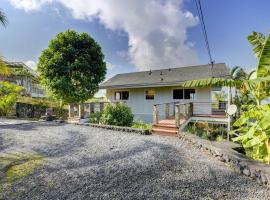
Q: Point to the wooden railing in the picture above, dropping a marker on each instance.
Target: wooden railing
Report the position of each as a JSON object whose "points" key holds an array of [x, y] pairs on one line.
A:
{"points": [[173, 110], [180, 111], [83, 110]]}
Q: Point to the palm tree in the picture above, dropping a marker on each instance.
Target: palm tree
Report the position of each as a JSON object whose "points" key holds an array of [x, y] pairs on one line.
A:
{"points": [[256, 82], [3, 18], [4, 70]]}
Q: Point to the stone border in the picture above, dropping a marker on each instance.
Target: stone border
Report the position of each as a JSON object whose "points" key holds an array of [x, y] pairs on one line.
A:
{"points": [[119, 128], [224, 151]]}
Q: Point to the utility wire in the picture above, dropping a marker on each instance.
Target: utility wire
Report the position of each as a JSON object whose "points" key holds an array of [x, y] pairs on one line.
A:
{"points": [[200, 13]]}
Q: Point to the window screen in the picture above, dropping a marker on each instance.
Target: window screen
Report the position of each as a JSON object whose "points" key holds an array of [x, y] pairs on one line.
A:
{"points": [[149, 94], [125, 95], [178, 94], [122, 95], [189, 93]]}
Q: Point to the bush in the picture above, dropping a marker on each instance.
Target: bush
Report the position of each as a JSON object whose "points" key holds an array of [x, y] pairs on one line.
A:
{"points": [[95, 117], [8, 96], [117, 114], [141, 125]]}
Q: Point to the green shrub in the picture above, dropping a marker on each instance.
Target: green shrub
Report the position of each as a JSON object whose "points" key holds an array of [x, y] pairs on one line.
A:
{"points": [[95, 117], [8, 96], [142, 125], [117, 114]]}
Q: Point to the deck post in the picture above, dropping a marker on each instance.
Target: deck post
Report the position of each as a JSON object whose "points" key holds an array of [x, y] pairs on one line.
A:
{"points": [[81, 110], [167, 110], [177, 115], [190, 109], [155, 114]]}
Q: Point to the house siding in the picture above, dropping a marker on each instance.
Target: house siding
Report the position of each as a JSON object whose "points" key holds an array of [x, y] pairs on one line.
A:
{"points": [[142, 108]]}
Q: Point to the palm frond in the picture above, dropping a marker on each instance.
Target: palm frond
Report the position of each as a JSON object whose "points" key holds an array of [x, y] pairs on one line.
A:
{"points": [[257, 40], [212, 82], [253, 72], [3, 18], [263, 68]]}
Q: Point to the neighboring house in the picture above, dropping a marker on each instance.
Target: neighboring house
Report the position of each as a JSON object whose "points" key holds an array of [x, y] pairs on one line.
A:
{"points": [[24, 76], [142, 90]]}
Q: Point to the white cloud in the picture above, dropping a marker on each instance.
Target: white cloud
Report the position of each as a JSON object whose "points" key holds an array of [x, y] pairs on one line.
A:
{"points": [[157, 29], [32, 64]]}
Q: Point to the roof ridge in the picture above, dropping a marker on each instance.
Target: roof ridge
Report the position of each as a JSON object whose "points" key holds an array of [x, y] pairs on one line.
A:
{"points": [[190, 66]]}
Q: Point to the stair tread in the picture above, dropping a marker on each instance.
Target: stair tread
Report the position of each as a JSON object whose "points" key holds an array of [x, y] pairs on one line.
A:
{"points": [[164, 130], [165, 125]]}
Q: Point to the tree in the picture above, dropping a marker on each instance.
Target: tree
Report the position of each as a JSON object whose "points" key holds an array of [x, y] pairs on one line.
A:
{"points": [[72, 67], [4, 70], [8, 96], [257, 82], [3, 18]]}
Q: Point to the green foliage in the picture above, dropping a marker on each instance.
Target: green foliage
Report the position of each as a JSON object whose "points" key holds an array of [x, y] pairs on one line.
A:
{"points": [[20, 72], [3, 18], [263, 68], [253, 128], [117, 114], [72, 66], [257, 40], [95, 117], [220, 82], [207, 130], [8, 96], [4, 70], [141, 125]]}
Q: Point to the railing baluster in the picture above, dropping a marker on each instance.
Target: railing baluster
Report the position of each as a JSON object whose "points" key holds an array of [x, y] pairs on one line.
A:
{"points": [[155, 114], [177, 114], [167, 110]]}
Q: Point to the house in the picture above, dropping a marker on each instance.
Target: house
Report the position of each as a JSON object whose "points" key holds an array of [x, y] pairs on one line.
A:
{"points": [[158, 91], [24, 76]]}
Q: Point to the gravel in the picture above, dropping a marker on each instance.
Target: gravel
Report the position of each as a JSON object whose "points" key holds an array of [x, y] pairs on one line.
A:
{"points": [[91, 163]]}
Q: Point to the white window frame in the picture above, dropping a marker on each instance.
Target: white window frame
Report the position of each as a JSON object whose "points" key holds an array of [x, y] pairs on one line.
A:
{"points": [[114, 97], [195, 97]]}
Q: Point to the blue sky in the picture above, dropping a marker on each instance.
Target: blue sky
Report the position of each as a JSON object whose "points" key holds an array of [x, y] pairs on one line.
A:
{"points": [[125, 46]]}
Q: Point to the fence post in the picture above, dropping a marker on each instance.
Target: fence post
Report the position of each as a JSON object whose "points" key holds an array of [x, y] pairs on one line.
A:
{"points": [[167, 110], [190, 109], [71, 110], [155, 114], [81, 110], [177, 115]]}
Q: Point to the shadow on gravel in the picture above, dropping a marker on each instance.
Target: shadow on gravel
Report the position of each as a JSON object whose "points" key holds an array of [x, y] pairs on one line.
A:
{"points": [[30, 126], [120, 175], [72, 143]]}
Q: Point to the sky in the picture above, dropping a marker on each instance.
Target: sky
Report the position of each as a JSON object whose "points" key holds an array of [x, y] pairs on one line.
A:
{"points": [[138, 35]]}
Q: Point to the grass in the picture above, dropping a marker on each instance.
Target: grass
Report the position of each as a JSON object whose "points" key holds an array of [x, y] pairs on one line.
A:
{"points": [[142, 125], [15, 166]]}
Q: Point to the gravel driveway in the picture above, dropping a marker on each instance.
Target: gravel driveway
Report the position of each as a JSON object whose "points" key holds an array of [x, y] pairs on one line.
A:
{"points": [[90, 163]]}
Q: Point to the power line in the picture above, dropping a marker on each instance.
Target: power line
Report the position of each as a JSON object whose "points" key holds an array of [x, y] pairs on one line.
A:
{"points": [[200, 13]]}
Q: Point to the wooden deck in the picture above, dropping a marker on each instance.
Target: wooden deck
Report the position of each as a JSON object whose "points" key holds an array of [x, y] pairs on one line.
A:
{"points": [[167, 127]]}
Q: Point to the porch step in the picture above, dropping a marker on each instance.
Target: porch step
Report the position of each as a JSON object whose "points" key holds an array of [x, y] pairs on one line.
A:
{"points": [[165, 129], [165, 126]]}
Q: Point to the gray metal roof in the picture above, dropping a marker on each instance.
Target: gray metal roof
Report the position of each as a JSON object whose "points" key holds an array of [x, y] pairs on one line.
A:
{"points": [[165, 77], [20, 65]]}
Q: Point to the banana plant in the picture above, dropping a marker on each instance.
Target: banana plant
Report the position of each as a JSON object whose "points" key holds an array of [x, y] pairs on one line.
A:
{"points": [[253, 130]]}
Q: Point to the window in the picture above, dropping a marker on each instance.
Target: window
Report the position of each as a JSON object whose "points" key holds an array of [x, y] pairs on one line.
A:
{"points": [[189, 93], [149, 94], [122, 95], [178, 94], [184, 94]]}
